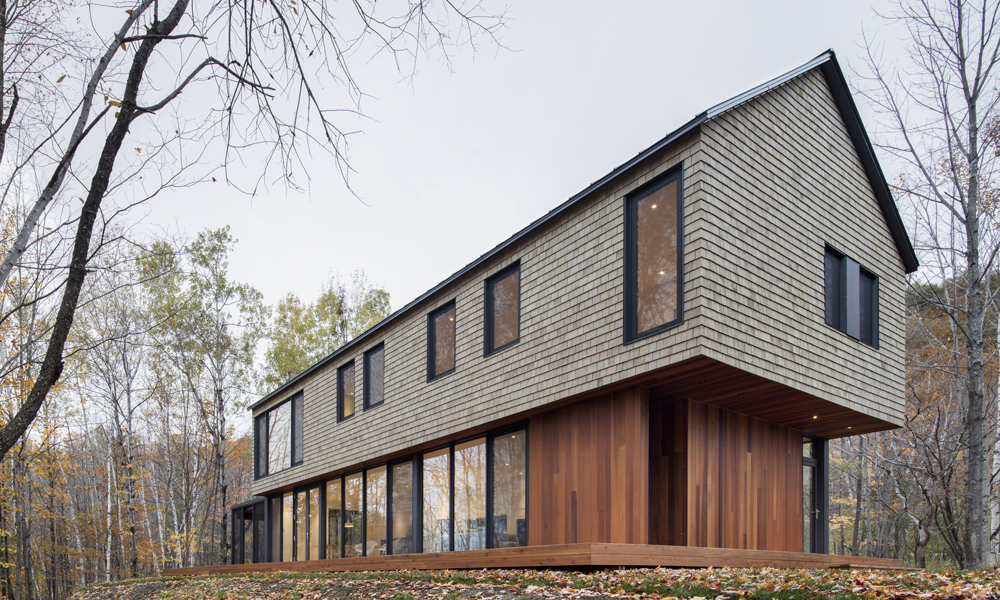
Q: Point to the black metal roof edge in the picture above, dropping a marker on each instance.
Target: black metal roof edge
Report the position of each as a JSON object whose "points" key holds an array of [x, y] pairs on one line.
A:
{"points": [[664, 142], [866, 152], [767, 86], [827, 61], [830, 67]]}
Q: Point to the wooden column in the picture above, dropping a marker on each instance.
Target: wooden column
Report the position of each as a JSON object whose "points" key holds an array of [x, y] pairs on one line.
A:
{"points": [[589, 472]]}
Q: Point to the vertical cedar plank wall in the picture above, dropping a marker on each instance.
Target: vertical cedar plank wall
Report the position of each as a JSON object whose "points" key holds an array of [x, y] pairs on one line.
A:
{"points": [[744, 481], [668, 473], [588, 471]]}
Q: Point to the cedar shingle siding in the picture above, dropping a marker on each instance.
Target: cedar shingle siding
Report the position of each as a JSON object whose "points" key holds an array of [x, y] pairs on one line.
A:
{"points": [[766, 185]]}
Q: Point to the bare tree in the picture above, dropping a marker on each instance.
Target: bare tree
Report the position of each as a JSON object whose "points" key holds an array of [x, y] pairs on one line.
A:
{"points": [[937, 108], [261, 74]]}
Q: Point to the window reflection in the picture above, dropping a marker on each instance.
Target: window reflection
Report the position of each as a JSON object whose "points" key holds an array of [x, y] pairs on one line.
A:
{"points": [[347, 391], [314, 516], [375, 511], [375, 376], [505, 309], [333, 518], [279, 438], [287, 524], [300, 526], [352, 516], [470, 495], [436, 497], [509, 461], [276, 529], [402, 508], [657, 258], [444, 342]]}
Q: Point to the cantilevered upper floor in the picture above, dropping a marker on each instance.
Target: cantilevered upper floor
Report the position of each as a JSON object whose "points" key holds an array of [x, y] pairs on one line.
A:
{"points": [[759, 238]]}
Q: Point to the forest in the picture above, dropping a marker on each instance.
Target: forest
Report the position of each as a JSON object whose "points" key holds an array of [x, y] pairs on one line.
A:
{"points": [[127, 359], [139, 451]]}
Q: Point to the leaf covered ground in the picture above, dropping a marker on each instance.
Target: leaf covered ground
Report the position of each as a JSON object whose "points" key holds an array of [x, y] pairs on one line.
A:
{"points": [[526, 584]]}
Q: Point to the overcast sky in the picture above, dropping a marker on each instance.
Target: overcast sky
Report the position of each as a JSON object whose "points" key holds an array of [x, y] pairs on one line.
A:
{"points": [[450, 166]]}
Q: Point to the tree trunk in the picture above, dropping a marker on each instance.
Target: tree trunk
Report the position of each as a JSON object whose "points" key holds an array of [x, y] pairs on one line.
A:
{"points": [[858, 490], [52, 365], [977, 534]]}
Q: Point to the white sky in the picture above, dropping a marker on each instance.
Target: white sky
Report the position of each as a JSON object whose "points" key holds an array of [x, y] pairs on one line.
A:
{"points": [[457, 162]]}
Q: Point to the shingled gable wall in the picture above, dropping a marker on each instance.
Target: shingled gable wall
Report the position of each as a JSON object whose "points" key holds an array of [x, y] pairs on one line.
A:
{"points": [[754, 232], [780, 180]]}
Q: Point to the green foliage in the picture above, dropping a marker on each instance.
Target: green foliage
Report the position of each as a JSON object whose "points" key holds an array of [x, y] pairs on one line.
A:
{"points": [[301, 334], [207, 326]]}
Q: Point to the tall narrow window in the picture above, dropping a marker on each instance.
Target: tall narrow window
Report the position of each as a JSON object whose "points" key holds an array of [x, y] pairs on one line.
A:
{"points": [[345, 392], [402, 508], [287, 528], [851, 297], [437, 501], [314, 517], [509, 493], [276, 529], [441, 342], [470, 495], [374, 377], [653, 257], [301, 526], [260, 445], [334, 518], [298, 418], [503, 310], [809, 512], [375, 511], [353, 516], [279, 438]]}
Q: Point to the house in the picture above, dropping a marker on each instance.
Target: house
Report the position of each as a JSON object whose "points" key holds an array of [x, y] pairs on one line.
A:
{"points": [[647, 375]]}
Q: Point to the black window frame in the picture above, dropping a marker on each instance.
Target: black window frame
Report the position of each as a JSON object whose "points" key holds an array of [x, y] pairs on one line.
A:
{"points": [[261, 446], [416, 459], [431, 341], [488, 309], [366, 378], [820, 462], [340, 391], [631, 254], [845, 307]]}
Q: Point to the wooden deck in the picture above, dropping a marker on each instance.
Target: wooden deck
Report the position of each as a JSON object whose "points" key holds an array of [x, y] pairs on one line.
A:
{"points": [[563, 556]]}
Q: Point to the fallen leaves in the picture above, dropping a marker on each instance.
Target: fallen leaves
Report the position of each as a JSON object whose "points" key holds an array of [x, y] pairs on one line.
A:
{"points": [[528, 584]]}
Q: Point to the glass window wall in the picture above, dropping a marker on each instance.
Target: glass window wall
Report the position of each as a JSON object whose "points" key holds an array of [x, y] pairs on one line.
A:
{"points": [[509, 498], [287, 527], [375, 511], [437, 501], [301, 524], [334, 519], [313, 529], [470, 495], [402, 508], [353, 521]]}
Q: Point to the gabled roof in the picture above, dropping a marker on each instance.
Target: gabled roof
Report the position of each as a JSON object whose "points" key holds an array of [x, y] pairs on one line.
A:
{"points": [[828, 65]]}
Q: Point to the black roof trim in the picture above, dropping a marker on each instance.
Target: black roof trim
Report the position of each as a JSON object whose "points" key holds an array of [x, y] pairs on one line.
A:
{"points": [[866, 152], [849, 112], [669, 139], [828, 65]]}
